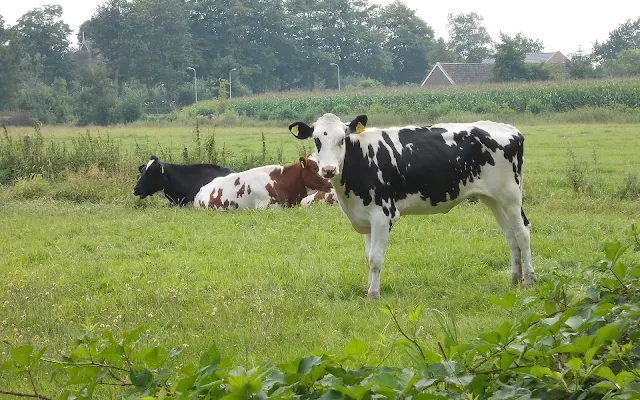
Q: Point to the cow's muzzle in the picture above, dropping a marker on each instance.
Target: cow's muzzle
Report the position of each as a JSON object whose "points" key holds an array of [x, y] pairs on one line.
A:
{"points": [[328, 172], [140, 194]]}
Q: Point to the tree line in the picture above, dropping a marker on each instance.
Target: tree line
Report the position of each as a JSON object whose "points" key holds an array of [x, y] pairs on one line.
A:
{"points": [[133, 56]]}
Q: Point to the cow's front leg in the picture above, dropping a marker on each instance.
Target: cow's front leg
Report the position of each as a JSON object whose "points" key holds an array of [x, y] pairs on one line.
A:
{"points": [[380, 228]]}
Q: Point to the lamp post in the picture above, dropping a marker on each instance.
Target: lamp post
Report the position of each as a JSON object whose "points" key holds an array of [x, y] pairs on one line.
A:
{"points": [[232, 69], [195, 82], [338, 74]]}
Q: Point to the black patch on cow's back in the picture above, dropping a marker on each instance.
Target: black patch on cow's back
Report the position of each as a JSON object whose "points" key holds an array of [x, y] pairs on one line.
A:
{"points": [[426, 165]]}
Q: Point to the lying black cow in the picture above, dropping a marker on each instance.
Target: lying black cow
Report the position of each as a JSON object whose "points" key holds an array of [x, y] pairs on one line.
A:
{"points": [[180, 183]]}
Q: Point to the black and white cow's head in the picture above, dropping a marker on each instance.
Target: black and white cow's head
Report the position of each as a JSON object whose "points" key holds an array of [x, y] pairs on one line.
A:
{"points": [[152, 178], [329, 134]]}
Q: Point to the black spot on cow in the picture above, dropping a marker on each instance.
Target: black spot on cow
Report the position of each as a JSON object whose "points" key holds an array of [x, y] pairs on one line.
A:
{"points": [[514, 152], [524, 217], [318, 144], [425, 165]]}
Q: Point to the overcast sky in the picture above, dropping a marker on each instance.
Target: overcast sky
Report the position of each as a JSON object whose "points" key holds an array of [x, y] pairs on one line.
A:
{"points": [[562, 25]]}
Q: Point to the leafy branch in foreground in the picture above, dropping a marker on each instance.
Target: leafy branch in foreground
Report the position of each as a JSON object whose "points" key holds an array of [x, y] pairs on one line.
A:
{"points": [[574, 346]]}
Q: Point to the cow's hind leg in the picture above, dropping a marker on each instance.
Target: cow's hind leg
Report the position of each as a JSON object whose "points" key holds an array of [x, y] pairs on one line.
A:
{"points": [[512, 242], [521, 228], [367, 249]]}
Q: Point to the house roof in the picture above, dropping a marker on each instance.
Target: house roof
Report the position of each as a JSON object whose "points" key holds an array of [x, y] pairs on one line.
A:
{"points": [[532, 58], [464, 73]]}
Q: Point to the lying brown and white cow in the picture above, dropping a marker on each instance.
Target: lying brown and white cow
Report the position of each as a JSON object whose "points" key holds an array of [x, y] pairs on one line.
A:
{"points": [[320, 196], [257, 188]]}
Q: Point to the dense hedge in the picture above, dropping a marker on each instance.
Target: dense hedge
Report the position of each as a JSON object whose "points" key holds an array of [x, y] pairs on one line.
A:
{"points": [[535, 97]]}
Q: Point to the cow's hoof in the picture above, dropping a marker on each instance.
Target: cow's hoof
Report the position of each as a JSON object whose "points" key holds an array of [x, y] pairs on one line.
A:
{"points": [[529, 280], [373, 294], [516, 279]]}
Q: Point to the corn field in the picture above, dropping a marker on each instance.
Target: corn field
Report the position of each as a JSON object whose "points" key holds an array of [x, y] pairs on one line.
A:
{"points": [[534, 97]]}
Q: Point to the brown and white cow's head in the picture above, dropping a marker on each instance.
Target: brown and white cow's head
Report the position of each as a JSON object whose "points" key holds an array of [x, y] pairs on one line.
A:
{"points": [[329, 134], [310, 176]]}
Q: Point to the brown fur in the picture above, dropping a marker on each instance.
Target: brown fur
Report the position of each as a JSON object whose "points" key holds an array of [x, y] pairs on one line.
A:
{"points": [[240, 191], [290, 184], [215, 201], [326, 196]]}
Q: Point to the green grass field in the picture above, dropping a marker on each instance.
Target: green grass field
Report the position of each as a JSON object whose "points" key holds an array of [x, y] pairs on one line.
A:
{"points": [[282, 283]]}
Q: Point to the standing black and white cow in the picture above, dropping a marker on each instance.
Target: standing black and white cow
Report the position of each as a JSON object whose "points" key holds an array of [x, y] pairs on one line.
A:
{"points": [[379, 174], [180, 183]]}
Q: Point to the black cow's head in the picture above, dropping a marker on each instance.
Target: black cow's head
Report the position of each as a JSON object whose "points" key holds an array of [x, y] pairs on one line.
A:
{"points": [[152, 178]]}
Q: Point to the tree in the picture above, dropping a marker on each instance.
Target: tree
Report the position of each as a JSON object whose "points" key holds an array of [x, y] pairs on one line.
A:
{"points": [[439, 52], [9, 63], [468, 39], [626, 64], [43, 35], [625, 36], [579, 66], [408, 39], [509, 59], [157, 42], [95, 97], [105, 32]]}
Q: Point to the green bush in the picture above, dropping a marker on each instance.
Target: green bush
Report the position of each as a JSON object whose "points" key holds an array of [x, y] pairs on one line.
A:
{"points": [[29, 188], [129, 106], [340, 109], [486, 107], [284, 113], [534, 106]]}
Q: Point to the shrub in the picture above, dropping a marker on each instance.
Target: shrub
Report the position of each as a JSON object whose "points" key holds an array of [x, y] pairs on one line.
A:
{"points": [[29, 188], [486, 107], [129, 106], [284, 113], [534, 106], [631, 187], [340, 109]]}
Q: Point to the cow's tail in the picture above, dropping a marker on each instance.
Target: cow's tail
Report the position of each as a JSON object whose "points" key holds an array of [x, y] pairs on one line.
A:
{"points": [[520, 171]]}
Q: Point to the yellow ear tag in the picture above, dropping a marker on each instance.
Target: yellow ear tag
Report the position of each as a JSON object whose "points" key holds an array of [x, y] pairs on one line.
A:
{"points": [[294, 130], [162, 168], [301, 162], [359, 127]]}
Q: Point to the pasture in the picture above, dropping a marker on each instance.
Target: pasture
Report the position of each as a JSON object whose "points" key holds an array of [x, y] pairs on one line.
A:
{"points": [[285, 282]]}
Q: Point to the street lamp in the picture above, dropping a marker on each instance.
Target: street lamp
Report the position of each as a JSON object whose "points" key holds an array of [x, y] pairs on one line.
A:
{"points": [[232, 69], [195, 82], [338, 74]]}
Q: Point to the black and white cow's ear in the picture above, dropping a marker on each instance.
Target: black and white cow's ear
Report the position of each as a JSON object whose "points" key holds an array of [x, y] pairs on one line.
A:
{"points": [[358, 124], [140, 168], [301, 130]]}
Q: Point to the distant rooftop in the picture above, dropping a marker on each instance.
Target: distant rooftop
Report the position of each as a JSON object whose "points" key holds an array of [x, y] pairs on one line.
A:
{"points": [[535, 58]]}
